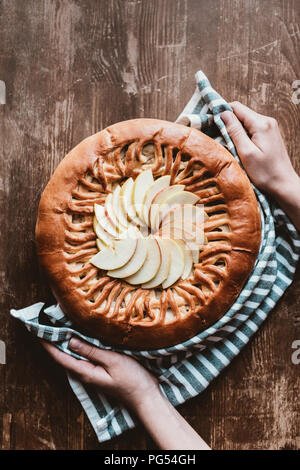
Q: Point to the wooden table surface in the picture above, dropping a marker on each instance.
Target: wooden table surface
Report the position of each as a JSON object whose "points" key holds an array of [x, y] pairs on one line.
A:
{"points": [[72, 67]]}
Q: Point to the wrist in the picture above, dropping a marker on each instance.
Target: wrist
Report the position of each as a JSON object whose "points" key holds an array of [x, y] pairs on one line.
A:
{"points": [[165, 425], [150, 402], [288, 192]]}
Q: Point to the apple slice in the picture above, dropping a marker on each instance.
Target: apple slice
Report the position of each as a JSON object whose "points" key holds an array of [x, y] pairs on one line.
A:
{"points": [[193, 240], [134, 264], [100, 244], [141, 186], [178, 235], [151, 265], [163, 271], [186, 230], [105, 237], [110, 213], [117, 255], [188, 259], [177, 199], [186, 212], [126, 195], [177, 263], [118, 211], [155, 188], [103, 221], [160, 198]]}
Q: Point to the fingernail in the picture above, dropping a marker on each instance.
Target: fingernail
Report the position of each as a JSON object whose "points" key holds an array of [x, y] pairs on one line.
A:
{"points": [[75, 343]]}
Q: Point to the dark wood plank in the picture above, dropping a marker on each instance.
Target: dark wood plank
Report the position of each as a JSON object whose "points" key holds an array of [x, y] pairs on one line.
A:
{"points": [[74, 67]]}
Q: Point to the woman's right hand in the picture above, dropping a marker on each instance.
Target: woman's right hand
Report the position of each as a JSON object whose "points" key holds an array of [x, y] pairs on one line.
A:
{"points": [[262, 151]]}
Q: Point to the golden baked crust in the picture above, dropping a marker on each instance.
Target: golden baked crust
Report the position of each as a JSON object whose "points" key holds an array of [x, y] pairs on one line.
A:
{"points": [[111, 309]]}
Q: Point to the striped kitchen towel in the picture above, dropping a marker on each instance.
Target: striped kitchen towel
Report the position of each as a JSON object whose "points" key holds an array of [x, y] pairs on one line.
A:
{"points": [[186, 369]]}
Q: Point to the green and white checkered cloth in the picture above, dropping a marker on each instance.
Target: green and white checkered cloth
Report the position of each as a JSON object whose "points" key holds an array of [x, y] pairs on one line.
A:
{"points": [[186, 369]]}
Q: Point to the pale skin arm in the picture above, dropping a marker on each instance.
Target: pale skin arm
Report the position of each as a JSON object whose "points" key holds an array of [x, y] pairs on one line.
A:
{"points": [[262, 151], [123, 377]]}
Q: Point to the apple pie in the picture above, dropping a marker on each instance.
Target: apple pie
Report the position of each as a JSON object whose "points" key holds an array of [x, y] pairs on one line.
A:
{"points": [[147, 232]]}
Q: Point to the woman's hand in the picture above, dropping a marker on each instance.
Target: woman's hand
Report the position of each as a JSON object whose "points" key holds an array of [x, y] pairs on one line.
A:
{"points": [[262, 151], [264, 156], [116, 374], [127, 380]]}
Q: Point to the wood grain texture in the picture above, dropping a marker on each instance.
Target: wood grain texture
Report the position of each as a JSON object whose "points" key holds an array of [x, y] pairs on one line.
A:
{"points": [[72, 67]]}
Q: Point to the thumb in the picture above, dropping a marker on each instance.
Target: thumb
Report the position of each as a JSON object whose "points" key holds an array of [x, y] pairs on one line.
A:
{"points": [[93, 353], [237, 133]]}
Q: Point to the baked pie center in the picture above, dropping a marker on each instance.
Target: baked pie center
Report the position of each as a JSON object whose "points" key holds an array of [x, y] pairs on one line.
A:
{"points": [[120, 233], [149, 232]]}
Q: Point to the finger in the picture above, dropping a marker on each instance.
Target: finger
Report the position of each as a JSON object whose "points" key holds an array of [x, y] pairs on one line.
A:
{"points": [[252, 121], [237, 133], [92, 353], [64, 359], [85, 370]]}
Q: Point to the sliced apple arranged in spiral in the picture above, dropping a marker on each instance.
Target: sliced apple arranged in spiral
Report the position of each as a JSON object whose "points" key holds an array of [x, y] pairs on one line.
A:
{"points": [[151, 264], [118, 254], [186, 212], [159, 199], [169, 212], [135, 263], [164, 268], [172, 201]]}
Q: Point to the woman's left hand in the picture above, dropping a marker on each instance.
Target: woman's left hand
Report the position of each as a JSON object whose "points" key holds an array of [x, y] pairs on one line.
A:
{"points": [[114, 373]]}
